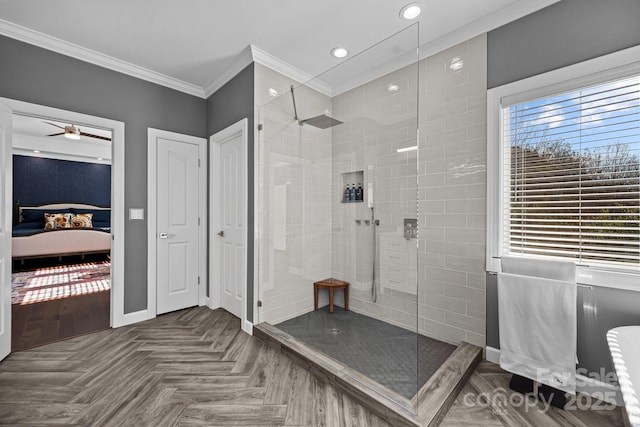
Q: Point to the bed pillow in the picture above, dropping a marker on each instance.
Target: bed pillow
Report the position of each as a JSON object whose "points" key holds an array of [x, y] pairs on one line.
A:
{"points": [[82, 220], [103, 215], [57, 221], [37, 215], [99, 215], [101, 224], [29, 226]]}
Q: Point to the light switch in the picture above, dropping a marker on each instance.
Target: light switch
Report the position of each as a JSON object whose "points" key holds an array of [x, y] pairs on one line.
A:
{"points": [[136, 213]]}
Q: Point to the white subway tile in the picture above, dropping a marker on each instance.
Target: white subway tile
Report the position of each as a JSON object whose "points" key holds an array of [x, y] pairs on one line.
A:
{"points": [[465, 322], [476, 339]]}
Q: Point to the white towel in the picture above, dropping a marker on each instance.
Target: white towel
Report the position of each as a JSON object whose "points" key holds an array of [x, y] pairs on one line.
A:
{"points": [[538, 322], [546, 269]]}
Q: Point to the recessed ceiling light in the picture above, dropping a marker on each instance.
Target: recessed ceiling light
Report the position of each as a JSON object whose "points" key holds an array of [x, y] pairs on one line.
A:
{"points": [[273, 92], [456, 64], [99, 158], [410, 11], [36, 151], [339, 52]]}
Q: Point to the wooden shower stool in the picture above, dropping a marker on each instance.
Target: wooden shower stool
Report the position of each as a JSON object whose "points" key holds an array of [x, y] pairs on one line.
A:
{"points": [[331, 284]]}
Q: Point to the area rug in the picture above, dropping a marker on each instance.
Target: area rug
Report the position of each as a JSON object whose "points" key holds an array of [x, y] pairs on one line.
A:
{"points": [[63, 281]]}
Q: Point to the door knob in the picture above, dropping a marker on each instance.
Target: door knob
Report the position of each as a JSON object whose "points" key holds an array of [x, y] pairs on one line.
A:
{"points": [[221, 233], [165, 235]]}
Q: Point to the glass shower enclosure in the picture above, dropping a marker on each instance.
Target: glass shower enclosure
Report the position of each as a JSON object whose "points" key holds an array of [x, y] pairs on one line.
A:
{"points": [[337, 199]]}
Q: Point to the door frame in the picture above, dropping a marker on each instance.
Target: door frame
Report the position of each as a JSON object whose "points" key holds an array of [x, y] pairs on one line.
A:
{"points": [[118, 316], [152, 219], [240, 128]]}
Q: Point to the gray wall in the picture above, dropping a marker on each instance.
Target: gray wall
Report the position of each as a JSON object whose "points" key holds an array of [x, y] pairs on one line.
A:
{"points": [[562, 34], [565, 33], [39, 76], [228, 105]]}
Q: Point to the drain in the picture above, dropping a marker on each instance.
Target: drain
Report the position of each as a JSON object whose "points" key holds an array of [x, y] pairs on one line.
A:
{"points": [[335, 331]]}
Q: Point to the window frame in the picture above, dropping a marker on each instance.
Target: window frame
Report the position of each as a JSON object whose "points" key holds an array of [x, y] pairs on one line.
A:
{"points": [[613, 66]]}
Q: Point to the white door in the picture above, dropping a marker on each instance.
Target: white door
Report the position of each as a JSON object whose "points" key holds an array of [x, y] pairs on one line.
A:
{"points": [[5, 230], [177, 225], [232, 232]]}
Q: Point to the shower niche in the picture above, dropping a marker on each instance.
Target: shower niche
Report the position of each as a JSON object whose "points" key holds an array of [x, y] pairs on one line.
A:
{"points": [[353, 187]]}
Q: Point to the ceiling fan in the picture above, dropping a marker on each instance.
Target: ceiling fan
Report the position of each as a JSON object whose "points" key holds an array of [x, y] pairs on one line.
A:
{"points": [[73, 132]]}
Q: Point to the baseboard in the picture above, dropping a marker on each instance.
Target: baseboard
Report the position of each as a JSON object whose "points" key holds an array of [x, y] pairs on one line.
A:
{"points": [[247, 327], [130, 318], [492, 355], [594, 388]]}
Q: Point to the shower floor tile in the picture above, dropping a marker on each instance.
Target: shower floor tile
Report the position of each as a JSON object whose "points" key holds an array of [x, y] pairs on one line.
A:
{"points": [[394, 357]]}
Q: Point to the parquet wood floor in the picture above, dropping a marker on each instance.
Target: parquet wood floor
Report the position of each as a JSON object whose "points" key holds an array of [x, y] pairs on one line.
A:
{"points": [[45, 322], [486, 400], [195, 367]]}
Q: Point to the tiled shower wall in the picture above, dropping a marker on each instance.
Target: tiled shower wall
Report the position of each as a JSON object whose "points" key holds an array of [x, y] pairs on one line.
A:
{"points": [[294, 200], [380, 117], [322, 236], [452, 193]]}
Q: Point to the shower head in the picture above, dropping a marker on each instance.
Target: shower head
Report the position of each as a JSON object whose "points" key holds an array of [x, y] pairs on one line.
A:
{"points": [[321, 122]]}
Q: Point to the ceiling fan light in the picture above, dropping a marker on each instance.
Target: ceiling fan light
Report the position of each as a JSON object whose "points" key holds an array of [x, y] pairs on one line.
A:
{"points": [[71, 132]]}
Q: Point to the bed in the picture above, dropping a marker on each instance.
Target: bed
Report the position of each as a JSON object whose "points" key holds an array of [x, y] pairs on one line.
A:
{"points": [[31, 239]]}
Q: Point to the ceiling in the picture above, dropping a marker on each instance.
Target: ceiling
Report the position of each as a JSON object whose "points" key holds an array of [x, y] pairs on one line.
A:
{"points": [[192, 44], [30, 138]]}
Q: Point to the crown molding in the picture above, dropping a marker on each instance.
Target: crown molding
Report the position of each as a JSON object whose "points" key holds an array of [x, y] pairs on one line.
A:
{"points": [[55, 44], [24, 145], [253, 53], [264, 58], [239, 63], [480, 26], [483, 25]]}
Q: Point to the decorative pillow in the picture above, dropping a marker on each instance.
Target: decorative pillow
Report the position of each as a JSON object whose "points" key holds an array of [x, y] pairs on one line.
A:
{"points": [[82, 220], [57, 221], [99, 215]]}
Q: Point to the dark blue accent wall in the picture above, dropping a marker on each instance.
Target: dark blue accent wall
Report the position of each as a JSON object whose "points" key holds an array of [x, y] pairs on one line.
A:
{"points": [[39, 181]]}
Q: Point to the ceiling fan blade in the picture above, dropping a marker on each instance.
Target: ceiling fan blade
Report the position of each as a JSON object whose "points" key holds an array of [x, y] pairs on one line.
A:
{"points": [[95, 136], [56, 134], [53, 124]]}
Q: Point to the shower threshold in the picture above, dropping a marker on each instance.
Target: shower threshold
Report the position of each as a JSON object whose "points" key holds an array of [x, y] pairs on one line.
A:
{"points": [[426, 408]]}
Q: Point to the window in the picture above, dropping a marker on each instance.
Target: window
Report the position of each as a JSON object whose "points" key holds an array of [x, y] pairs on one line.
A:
{"points": [[564, 167], [572, 175]]}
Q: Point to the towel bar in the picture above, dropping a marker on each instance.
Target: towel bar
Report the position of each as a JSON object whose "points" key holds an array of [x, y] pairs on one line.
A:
{"points": [[580, 285]]}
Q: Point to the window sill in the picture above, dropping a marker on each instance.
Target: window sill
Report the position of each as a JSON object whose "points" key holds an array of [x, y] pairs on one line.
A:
{"points": [[608, 278]]}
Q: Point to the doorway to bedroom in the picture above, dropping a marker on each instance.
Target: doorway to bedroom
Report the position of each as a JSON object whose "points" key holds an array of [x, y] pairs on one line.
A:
{"points": [[61, 244]]}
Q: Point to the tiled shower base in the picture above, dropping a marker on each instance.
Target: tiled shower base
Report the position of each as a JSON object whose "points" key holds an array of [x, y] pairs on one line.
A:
{"points": [[398, 359], [426, 408]]}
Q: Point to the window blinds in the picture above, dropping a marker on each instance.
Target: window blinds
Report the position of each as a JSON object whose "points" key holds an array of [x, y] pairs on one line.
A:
{"points": [[572, 175]]}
